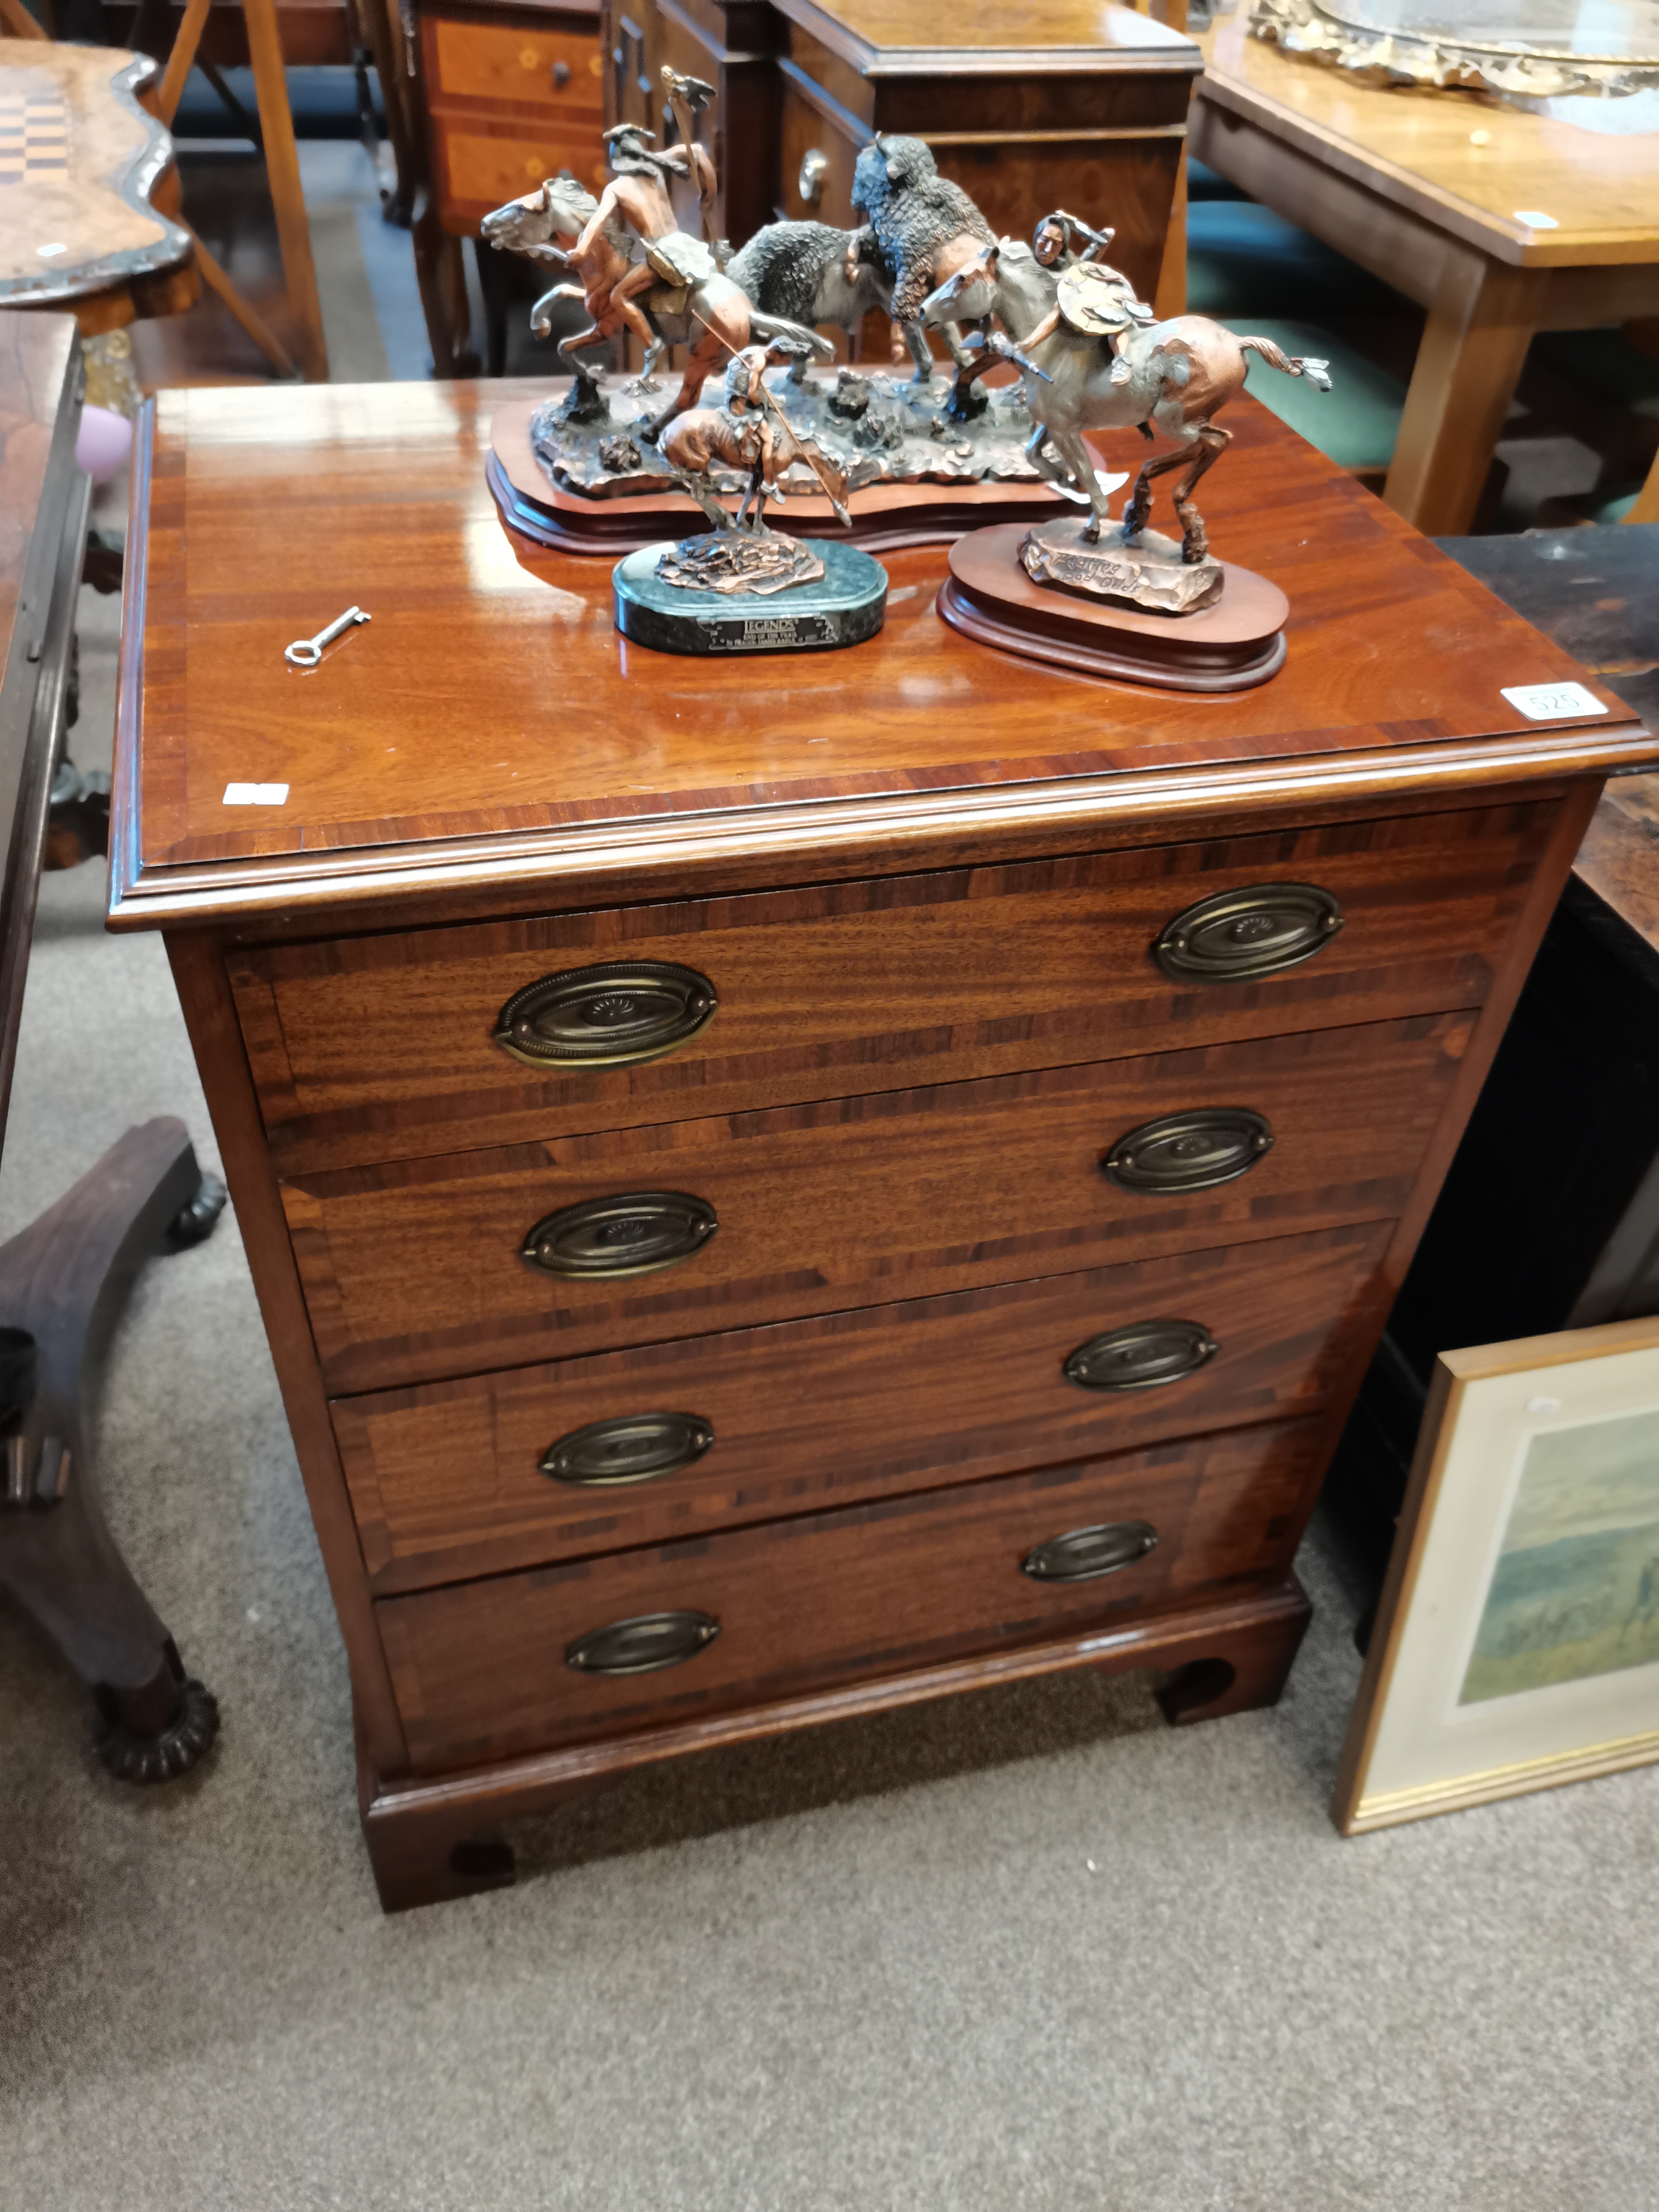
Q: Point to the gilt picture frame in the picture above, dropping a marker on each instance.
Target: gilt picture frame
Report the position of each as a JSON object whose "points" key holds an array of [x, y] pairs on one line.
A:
{"points": [[1516, 1644]]}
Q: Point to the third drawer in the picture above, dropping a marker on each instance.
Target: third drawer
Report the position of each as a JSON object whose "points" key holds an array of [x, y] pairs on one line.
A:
{"points": [[446, 1479]]}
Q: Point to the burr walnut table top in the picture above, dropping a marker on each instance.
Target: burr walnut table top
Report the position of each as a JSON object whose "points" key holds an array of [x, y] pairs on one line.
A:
{"points": [[489, 726]]}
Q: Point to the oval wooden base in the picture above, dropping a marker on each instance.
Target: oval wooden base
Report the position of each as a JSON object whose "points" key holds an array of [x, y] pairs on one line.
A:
{"points": [[1230, 646], [885, 517]]}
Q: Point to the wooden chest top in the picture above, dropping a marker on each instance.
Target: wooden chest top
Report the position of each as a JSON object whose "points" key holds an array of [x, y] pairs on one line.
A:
{"points": [[489, 728], [895, 37]]}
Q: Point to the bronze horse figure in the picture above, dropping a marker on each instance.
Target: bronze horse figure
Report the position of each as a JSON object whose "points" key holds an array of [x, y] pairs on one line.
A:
{"points": [[1117, 372], [710, 316], [709, 437]]}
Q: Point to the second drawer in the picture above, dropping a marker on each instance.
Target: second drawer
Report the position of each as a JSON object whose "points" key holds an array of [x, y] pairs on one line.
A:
{"points": [[446, 1479], [418, 1268], [522, 1662]]}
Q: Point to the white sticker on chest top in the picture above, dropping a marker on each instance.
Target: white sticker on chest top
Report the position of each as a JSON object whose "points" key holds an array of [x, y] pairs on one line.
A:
{"points": [[1552, 702], [256, 794]]}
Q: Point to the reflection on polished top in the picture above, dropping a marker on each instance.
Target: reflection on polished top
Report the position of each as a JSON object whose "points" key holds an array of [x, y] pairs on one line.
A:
{"points": [[1471, 166], [491, 717], [1080, 32]]}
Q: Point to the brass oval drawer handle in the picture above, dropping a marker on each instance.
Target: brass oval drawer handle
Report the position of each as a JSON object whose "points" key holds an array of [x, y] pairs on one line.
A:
{"points": [[1143, 1356], [1233, 936], [630, 1448], [613, 1015], [814, 174], [641, 1646], [633, 1233], [1196, 1151], [1082, 1554]]}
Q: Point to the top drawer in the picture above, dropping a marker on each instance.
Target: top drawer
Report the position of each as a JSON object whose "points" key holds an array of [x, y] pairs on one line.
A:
{"points": [[372, 1049], [513, 66]]}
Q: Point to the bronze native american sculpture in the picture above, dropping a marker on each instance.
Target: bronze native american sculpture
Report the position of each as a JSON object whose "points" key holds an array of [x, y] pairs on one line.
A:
{"points": [[1090, 356], [638, 271], [634, 272], [663, 592]]}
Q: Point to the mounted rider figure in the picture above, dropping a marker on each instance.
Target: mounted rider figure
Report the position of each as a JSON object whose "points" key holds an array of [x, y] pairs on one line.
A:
{"points": [[638, 198]]}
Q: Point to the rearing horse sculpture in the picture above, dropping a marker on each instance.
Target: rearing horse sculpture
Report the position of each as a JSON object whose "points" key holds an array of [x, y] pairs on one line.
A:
{"points": [[1093, 363], [710, 317]]}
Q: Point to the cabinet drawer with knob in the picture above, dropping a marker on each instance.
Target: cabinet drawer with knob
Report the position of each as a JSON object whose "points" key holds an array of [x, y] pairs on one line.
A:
{"points": [[420, 1268], [389, 1047], [518, 1662], [516, 65], [669, 1440]]}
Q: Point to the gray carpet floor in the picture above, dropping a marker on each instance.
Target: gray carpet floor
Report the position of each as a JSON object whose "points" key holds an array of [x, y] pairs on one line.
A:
{"points": [[1028, 1949]]}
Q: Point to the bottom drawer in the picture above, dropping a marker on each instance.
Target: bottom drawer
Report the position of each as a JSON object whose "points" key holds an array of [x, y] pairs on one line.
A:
{"points": [[481, 167], [520, 1663]]}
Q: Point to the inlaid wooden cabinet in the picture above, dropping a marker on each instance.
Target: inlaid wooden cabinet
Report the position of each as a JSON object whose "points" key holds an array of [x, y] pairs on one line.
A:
{"points": [[514, 93], [784, 1187]]}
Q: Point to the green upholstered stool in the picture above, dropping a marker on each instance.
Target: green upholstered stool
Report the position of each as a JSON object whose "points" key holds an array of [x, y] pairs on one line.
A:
{"points": [[1604, 361], [1204, 183], [1243, 259]]}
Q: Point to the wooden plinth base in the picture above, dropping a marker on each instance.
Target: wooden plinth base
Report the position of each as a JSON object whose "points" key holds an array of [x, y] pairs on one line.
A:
{"points": [[885, 517], [1229, 646], [430, 1841]]}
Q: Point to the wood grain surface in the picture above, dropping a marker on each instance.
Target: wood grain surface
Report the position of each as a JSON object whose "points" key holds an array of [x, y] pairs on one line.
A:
{"points": [[490, 719], [444, 1477], [480, 1670], [414, 1270], [381, 1048]]}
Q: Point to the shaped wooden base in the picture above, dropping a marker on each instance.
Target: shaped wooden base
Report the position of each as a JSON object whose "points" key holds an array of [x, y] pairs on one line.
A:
{"points": [[1229, 646], [885, 517], [429, 1840]]}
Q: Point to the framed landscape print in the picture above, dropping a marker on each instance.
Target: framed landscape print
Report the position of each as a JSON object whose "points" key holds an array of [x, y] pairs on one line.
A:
{"points": [[1516, 1645]]}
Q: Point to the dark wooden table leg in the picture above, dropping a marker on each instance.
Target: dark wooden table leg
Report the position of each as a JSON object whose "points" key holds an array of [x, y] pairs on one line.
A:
{"points": [[63, 1283], [1248, 1668]]}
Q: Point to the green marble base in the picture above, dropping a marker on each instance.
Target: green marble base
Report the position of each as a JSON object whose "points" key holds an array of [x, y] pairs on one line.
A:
{"points": [[844, 606]]}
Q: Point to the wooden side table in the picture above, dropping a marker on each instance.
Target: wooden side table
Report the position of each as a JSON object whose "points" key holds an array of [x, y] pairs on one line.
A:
{"points": [[1500, 223], [784, 1187]]}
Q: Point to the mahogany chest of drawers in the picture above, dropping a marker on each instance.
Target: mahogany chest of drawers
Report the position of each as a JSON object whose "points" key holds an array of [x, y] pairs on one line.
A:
{"points": [[783, 1187]]}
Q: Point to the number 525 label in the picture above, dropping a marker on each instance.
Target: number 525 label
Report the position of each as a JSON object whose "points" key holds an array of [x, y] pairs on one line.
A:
{"points": [[1552, 702]]}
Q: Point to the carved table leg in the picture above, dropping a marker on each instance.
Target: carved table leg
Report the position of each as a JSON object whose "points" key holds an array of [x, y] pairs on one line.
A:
{"points": [[1249, 1666], [63, 1283]]}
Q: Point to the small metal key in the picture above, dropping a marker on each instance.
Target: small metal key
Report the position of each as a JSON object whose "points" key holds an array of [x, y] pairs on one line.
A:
{"points": [[306, 651]]}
